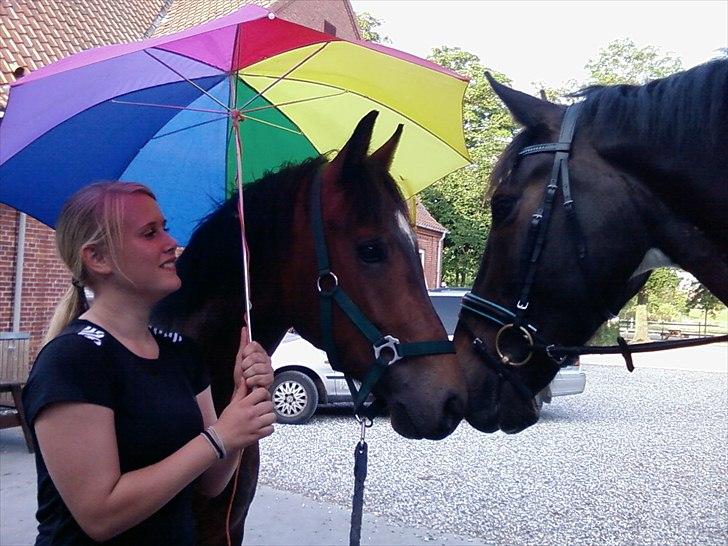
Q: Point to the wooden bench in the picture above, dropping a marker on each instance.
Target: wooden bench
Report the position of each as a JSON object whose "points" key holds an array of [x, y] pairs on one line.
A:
{"points": [[15, 416]]}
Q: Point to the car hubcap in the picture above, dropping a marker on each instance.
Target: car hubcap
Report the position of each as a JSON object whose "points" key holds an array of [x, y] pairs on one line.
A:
{"points": [[290, 398]]}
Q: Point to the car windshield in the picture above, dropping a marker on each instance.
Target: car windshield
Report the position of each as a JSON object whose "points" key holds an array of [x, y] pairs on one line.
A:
{"points": [[447, 308]]}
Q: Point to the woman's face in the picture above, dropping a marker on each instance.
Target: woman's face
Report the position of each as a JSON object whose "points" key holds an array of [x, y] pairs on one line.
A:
{"points": [[147, 253]]}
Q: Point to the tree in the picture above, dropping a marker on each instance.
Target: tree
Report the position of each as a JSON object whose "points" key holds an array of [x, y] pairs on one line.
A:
{"points": [[368, 24], [700, 297], [458, 200], [620, 62]]}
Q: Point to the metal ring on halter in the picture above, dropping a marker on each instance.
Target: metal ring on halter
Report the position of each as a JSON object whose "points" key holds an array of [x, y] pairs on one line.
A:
{"points": [[503, 357], [329, 274], [389, 343]]}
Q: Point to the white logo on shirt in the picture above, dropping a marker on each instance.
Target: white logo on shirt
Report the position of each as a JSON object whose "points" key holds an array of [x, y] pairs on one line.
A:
{"points": [[173, 336], [94, 334]]}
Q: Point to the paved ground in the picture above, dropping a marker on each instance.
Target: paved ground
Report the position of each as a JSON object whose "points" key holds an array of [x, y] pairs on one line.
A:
{"points": [[297, 519], [637, 459]]}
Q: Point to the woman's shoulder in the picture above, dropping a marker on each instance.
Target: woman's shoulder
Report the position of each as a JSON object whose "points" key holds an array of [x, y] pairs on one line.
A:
{"points": [[79, 336]]}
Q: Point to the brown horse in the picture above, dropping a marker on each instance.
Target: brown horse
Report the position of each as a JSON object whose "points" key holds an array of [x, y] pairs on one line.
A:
{"points": [[583, 200], [374, 259]]}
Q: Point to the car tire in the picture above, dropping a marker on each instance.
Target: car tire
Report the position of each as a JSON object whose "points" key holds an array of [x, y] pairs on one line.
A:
{"points": [[295, 398]]}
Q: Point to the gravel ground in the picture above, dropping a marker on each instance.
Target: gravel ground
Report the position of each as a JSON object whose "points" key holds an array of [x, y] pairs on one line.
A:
{"points": [[637, 459]]}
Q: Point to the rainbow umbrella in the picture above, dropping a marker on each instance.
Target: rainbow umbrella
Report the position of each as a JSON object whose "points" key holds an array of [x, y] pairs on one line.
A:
{"points": [[194, 114]]}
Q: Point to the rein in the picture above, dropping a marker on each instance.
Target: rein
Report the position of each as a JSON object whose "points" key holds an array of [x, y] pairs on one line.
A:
{"points": [[512, 324], [387, 350]]}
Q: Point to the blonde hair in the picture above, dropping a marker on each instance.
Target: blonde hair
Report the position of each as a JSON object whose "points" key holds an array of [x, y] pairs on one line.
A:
{"points": [[92, 216]]}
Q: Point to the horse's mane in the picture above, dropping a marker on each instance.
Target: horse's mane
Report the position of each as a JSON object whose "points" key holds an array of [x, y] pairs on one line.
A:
{"points": [[210, 265], [687, 108]]}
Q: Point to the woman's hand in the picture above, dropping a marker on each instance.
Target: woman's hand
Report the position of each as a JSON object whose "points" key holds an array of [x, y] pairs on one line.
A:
{"points": [[246, 419], [252, 365]]}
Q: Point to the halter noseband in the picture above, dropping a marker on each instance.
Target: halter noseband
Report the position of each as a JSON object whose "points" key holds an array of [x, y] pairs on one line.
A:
{"points": [[387, 348]]}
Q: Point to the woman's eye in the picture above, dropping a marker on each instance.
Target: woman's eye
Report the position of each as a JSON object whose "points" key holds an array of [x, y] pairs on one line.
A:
{"points": [[371, 252], [501, 208], [150, 234]]}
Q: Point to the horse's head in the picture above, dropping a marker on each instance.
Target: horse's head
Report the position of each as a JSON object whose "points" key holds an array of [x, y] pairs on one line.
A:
{"points": [[567, 237], [352, 214]]}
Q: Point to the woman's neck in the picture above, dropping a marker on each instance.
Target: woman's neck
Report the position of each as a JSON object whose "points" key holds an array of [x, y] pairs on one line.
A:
{"points": [[122, 318]]}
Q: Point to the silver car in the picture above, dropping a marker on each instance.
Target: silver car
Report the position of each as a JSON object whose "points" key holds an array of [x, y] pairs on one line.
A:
{"points": [[304, 380]]}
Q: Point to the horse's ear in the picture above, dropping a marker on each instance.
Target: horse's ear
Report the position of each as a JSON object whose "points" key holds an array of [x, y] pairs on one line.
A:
{"points": [[527, 110], [384, 155], [355, 150]]}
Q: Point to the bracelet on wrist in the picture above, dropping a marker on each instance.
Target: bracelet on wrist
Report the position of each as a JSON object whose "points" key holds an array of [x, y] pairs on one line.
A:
{"points": [[217, 448]]}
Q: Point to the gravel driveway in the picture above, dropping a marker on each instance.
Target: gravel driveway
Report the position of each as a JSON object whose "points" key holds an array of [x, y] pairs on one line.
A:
{"points": [[637, 459]]}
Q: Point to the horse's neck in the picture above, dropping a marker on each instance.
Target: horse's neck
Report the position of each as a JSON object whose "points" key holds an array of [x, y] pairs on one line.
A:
{"points": [[690, 177]]}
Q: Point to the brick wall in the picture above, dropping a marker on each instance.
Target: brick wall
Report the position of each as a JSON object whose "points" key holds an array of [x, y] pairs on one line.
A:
{"points": [[429, 241], [45, 278], [312, 14]]}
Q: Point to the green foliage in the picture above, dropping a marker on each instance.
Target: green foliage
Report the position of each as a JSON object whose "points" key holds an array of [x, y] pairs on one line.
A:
{"points": [[458, 200], [699, 297], [607, 334], [620, 62], [623, 62], [368, 24], [663, 296]]}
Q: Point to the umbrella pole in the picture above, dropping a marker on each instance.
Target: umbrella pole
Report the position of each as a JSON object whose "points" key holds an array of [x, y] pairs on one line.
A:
{"points": [[241, 214]]}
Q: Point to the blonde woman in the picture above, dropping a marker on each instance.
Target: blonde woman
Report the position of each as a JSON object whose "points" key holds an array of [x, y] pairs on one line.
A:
{"points": [[122, 414]]}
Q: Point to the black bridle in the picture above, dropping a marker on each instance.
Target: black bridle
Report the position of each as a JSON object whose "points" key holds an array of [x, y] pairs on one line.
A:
{"points": [[512, 324], [387, 348]]}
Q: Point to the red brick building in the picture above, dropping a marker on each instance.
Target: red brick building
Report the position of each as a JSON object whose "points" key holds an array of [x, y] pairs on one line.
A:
{"points": [[34, 33]]}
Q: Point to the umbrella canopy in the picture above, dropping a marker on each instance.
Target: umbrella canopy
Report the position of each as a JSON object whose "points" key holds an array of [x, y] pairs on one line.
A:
{"points": [[166, 111]]}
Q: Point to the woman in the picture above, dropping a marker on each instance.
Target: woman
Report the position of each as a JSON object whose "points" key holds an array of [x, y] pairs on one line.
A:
{"points": [[122, 414]]}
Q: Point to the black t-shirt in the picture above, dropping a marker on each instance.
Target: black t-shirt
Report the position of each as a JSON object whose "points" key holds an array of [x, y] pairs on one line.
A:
{"points": [[155, 414]]}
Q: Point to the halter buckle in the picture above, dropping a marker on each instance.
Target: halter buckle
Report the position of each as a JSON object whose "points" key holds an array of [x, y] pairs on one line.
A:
{"points": [[323, 276], [388, 342], [522, 306], [505, 359]]}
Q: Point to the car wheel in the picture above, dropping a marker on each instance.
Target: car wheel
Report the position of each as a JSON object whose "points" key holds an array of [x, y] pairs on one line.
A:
{"points": [[294, 398]]}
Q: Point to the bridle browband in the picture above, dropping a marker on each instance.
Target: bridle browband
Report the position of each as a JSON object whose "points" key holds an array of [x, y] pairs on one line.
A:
{"points": [[387, 348], [511, 322]]}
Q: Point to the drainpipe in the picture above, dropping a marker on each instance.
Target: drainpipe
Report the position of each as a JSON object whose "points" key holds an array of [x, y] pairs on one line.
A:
{"points": [[19, 261], [440, 245]]}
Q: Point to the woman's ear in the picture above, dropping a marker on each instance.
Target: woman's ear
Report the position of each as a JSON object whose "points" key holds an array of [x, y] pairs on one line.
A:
{"points": [[95, 260]]}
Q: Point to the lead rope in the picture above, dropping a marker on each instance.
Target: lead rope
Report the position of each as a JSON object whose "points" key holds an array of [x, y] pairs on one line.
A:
{"points": [[361, 452]]}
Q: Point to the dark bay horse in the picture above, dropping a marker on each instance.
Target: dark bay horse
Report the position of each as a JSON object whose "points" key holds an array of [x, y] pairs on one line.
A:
{"points": [[582, 202], [373, 255]]}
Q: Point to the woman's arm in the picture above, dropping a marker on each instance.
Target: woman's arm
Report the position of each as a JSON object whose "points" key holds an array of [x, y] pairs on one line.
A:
{"points": [[252, 370], [78, 443]]}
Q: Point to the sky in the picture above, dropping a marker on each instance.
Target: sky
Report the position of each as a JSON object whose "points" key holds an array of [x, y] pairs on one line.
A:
{"points": [[551, 41]]}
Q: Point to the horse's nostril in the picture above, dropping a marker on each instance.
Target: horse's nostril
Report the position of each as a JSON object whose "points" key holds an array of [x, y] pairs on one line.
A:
{"points": [[454, 410]]}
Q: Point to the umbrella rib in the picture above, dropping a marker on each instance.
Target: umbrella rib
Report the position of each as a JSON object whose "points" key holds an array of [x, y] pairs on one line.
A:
{"points": [[287, 103], [344, 90], [173, 106], [283, 76], [185, 128], [273, 125], [202, 90]]}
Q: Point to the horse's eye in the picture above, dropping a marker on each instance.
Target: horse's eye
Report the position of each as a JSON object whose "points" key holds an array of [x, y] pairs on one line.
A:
{"points": [[371, 252], [501, 207]]}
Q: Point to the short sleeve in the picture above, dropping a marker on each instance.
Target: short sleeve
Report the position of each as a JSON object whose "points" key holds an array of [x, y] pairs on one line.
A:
{"points": [[196, 370], [71, 368]]}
